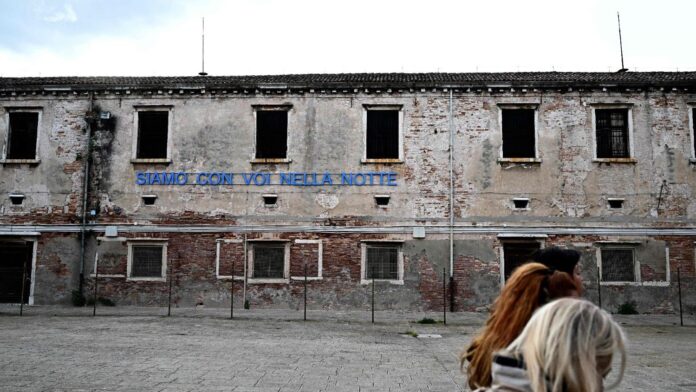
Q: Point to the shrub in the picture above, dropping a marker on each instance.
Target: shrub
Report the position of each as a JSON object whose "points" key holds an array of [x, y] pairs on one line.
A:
{"points": [[246, 304], [627, 308], [426, 320], [78, 299]]}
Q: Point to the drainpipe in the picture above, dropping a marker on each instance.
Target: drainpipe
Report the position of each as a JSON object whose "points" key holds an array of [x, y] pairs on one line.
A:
{"points": [[451, 126], [84, 196]]}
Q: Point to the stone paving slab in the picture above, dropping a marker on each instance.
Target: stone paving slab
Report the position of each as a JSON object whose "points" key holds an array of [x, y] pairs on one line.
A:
{"points": [[138, 349]]}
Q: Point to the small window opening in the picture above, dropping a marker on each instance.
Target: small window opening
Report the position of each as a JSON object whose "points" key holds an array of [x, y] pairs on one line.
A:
{"points": [[518, 133], [270, 200], [520, 203], [382, 200], [382, 134], [149, 200], [612, 133], [16, 199], [616, 203], [271, 134], [153, 127], [22, 135]]}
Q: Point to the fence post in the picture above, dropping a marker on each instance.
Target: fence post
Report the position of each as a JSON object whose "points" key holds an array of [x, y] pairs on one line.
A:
{"points": [[169, 299], [444, 296], [96, 287], [21, 294], [599, 287], [373, 294], [232, 293], [681, 312], [451, 285], [305, 292]]}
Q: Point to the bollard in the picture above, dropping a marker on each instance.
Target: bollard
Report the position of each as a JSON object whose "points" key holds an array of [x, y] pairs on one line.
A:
{"points": [[96, 284], [373, 294], [444, 296], [21, 294], [305, 292], [681, 312], [169, 299]]}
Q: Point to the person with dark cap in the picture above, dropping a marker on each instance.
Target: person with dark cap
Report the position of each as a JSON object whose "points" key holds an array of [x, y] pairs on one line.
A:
{"points": [[550, 274]]}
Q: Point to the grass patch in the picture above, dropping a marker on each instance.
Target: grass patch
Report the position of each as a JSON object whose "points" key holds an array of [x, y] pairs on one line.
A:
{"points": [[410, 333], [627, 308], [102, 301], [426, 320]]}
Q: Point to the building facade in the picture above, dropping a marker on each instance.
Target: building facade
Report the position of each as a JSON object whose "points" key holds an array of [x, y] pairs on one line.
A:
{"points": [[214, 185]]}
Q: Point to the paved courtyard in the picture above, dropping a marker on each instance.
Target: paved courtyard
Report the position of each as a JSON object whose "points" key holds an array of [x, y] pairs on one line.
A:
{"points": [[139, 349]]}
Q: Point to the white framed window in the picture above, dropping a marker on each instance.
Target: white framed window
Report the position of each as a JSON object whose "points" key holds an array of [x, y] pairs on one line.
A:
{"points": [[519, 125], [309, 253], [268, 261], [692, 132], [382, 261], [515, 251], [229, 258], [152, 128], [617, 264], [383, 134], [22, 132], [612, 133], [271, 130], [147, 259]]}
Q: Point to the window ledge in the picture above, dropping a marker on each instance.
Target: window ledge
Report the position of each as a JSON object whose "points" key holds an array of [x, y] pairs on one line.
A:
{"points": [[162, 279], [108, 276], [267, 281], [520, 160], [301, 278], [20, 161], [615, 160], [647, 283], [270, 160], [165, 161], [365, 282], [382, 160]]}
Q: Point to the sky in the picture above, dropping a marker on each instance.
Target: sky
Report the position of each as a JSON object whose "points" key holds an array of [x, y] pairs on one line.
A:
{"points": [[255, 37]]}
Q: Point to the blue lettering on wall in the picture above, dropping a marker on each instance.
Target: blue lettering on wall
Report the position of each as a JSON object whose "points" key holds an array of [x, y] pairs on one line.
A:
{"points": [[219, 178]]}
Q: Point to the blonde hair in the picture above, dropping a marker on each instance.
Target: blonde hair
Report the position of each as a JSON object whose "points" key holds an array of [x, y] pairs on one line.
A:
{"points": [[568, 345], [529, 287]]}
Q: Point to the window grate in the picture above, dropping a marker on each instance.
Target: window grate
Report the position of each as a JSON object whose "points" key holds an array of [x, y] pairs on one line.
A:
{"points": [[147, 262], [382, 262], [612, 133], [22, 137], [269, 261], [518, 253], [518, 133], [271, 134], [618, 265], [382, 134], [152, 134]]}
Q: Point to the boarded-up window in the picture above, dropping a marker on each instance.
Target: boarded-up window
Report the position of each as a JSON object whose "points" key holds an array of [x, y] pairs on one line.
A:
{"points": [[618, 265], [112, 258], [518, 133], [305, 252], [146, 261], [22, 135], [231, 258], [382, 134], [153, 127], [612, 133], [518, 253], [382, 262], [271, 134], [269, 260]]}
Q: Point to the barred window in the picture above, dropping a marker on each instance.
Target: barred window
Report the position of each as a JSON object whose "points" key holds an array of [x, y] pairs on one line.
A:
{"points": [[518, 133], [612, 133], [618, 265], [382, 262], [146, 261], [269, 260], [517, 253], [153, 129], [382, 138], [271, 134], [21, 138]]}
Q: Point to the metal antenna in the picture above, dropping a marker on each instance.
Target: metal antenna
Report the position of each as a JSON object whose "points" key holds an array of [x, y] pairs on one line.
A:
{"points": [[203, 73], [618, 18]]}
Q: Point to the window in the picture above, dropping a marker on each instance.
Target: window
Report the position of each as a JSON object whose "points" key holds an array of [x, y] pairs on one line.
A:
{"points": [[147, 260], [383, 133], [519, 133], [693, 134], [153, 141], [269, 260], [272, 133], [22, 135], [382, 261], [612, 133], [618, 265], [520, 203], [517, 253]]}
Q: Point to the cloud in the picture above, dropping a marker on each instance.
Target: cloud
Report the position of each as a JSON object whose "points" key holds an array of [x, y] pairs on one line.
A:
{"points": [[67, 14]]}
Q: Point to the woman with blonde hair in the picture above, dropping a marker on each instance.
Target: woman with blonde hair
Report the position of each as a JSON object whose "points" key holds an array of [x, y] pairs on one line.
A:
{"points": [[567, 346]]}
